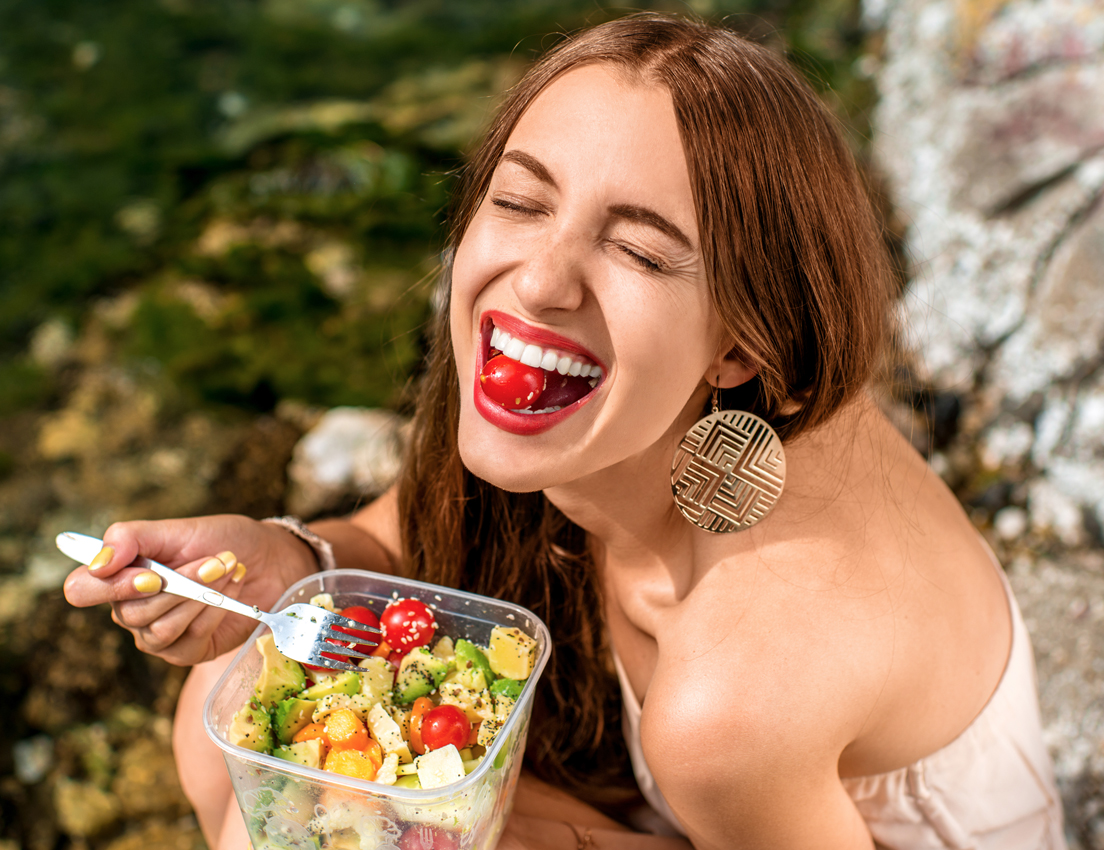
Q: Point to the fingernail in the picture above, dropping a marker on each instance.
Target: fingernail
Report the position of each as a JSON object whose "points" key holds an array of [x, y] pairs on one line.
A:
{"points": [[239, 573], [147, 582], [228, 558], [211, 570], [102, 559]]}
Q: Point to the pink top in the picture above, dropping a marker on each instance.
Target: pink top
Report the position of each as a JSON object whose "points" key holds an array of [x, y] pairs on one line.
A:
{"points": [[991, 788]]}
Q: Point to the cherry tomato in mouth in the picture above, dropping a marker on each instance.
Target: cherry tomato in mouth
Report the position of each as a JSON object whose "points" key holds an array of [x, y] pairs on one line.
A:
{"points": [[444, 725], [511, 384], [406, 624]]}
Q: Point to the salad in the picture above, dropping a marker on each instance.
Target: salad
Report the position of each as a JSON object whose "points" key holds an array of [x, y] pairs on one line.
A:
{"points": [[420, 713]]}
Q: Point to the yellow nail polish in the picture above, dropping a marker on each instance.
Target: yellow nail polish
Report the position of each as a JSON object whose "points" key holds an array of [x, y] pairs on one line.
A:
{"points": [[103, 557], [228, 558], [147, 582], [211, 570], [239, 573]]}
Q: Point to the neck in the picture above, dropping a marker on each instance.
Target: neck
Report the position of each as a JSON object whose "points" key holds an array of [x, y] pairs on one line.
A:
{"points": [[627, 508]]}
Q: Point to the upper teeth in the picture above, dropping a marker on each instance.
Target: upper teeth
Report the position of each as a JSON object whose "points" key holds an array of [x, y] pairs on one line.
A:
{"points": [[549, 359]]}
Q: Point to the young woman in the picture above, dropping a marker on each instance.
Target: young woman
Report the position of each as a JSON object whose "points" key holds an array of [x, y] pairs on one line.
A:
{"points": [[668, 208]]}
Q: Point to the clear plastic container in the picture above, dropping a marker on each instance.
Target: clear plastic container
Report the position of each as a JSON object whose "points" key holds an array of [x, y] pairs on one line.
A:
{"points": [[286, 805]]}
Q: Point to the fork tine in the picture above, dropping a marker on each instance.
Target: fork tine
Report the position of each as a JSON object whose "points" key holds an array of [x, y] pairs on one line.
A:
{"points": [[329, 633], [354, 625], [343, 648], [332, 663]]}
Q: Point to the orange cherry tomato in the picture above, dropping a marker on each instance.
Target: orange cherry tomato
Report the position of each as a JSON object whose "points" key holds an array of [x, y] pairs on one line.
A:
{"points": [[375, 753], [309, 733], [352, 763], [417, 712], [345, 731]]}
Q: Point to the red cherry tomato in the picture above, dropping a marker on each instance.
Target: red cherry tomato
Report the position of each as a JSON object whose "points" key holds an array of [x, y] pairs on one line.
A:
{"points": [[423, 837], [512, 384], [361, 615], [395, 656], [406, 624], [444, 725]]}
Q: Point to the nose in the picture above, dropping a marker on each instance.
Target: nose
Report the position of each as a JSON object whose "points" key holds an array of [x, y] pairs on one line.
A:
{"points": [[553, 275]]}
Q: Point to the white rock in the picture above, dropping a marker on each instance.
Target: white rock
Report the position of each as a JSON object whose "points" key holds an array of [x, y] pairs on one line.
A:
{"points": [[1010, 523], [350, 452], [1051, 510]]}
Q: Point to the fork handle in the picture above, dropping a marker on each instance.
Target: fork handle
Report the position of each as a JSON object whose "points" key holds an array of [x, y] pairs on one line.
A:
{"points": [[84, 547], [178, 585]]}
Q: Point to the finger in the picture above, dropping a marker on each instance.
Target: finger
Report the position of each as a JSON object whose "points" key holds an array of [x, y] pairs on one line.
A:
{"points": [[140, 603], [185, 635]]}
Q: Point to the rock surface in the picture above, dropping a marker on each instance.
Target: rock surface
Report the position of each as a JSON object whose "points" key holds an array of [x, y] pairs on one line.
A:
{"points": [[351, 454], [991, 130], [990, 134]]}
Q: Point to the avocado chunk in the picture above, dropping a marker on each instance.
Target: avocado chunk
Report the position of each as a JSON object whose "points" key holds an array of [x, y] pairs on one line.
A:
{"points": [[505, 693], [306, 753], [280, 676], [376, 678], [409, 781], [420, 673], [511, 652], [347, 682], [251, 728], [289, 716], [473, 669]]}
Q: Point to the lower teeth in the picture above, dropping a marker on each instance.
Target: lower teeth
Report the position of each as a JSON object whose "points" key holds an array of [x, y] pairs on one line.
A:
{"points": [[545, 410]]}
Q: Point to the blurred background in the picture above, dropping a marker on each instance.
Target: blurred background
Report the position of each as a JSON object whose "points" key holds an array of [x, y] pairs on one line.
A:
{"points": [[220, 222]]}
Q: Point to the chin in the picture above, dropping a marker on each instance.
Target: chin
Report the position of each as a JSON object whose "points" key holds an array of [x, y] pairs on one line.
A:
{"points": [[513, 468]]}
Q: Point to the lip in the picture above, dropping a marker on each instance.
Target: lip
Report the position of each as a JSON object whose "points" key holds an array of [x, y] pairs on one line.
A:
{"points": [[525, 424]]}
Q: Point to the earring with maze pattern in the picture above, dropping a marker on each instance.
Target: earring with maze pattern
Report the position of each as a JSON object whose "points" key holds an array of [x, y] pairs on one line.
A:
{"points": [[728, 470]]}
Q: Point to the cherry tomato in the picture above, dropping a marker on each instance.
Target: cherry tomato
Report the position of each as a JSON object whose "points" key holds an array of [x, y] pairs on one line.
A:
{"points": [[512, 384], [444, 725], [423, 837], [421, 707], [406, 624], [361, 615]]}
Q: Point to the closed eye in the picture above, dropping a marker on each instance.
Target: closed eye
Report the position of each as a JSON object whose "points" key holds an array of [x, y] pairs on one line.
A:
{"points": [[505, 204], [640, 259]]}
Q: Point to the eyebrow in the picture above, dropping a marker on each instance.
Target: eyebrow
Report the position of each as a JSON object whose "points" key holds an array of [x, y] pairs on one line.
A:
{"points": [[629, 212]]}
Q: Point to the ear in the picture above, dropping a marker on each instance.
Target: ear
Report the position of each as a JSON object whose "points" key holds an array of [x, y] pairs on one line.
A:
{"points": [[729, 369]]}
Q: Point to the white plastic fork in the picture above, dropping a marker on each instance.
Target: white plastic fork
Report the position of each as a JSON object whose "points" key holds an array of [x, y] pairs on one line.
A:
{"points": [[301, 632]]}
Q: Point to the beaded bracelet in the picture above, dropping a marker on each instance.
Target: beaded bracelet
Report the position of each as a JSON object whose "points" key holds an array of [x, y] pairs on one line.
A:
{"points": [[323, 551]]}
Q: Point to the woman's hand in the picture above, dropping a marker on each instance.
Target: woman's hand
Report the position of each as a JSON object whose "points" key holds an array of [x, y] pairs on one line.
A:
{"points": [[547, 818], [179, 630]]}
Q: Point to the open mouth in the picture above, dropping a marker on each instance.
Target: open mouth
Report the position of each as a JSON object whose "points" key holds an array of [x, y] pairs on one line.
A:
{"points": [[531, 373]]}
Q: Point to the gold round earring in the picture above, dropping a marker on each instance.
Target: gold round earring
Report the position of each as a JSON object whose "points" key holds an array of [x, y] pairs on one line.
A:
{"points": [[728, 470]]}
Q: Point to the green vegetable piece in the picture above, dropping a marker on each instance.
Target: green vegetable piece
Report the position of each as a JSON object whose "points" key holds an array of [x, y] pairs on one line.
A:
{"points": [[409, 781], [306, 753], [347, 682], [507, 688], [473, 669], [420, 673], [291, 715], [505, 693], [251, 728], [280, 676]]}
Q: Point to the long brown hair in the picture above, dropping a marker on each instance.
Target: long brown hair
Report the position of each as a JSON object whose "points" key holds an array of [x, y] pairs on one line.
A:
{"points": [[798, 275]]}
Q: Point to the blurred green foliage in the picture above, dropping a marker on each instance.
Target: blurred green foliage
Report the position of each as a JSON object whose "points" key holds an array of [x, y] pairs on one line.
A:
{"points": [[259, 185]]}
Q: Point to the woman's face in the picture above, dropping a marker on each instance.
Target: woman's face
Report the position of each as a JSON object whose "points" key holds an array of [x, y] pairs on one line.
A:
{"points": [[586, 247]]}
